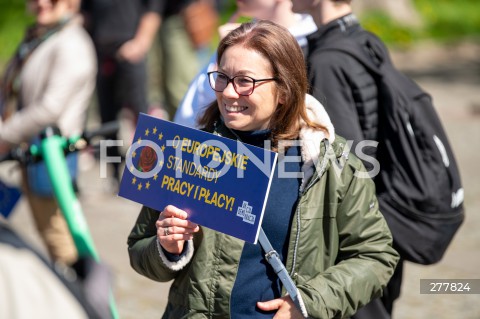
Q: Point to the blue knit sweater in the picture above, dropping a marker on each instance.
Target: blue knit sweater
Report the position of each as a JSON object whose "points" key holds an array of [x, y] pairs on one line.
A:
{"points": [[256, 280]]}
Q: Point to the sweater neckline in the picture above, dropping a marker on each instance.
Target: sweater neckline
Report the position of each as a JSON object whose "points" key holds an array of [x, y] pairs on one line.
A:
{"points": [[255, 138]]}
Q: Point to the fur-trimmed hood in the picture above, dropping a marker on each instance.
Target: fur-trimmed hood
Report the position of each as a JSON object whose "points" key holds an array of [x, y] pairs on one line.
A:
{"points": [[311, 138]]}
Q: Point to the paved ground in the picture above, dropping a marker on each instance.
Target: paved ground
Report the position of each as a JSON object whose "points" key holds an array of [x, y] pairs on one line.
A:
{"points": [[453, 78]]}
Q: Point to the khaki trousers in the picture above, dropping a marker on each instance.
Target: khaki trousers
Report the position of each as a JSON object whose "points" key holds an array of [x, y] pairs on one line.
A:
{"points": [[51, 225]]}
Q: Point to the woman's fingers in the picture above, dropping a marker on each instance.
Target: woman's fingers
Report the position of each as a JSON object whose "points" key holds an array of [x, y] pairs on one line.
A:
{"points": [[176, 223], [174, 234], [176, 226], [174, 238], [172, 220], [172, 211]]}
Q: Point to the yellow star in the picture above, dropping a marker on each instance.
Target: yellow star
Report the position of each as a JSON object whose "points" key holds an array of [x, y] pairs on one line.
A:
{"points": [[147, 132], [154, 130], [139, 140], [134, 180], [160, 163], [163, 148], [134, 154], [147, 185], [139, 186], [132, 168], [155, 177], [160, 136]]}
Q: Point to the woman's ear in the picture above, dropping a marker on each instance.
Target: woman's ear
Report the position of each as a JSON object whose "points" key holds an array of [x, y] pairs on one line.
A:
{"points": [[282, 95]]}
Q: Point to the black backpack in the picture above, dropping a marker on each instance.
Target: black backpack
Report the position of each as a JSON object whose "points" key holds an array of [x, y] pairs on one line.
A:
{"points": [[418, 186]]}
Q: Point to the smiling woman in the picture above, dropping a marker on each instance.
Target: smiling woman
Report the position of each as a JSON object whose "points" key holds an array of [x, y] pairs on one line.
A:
{"points": [[276, 105], [325, 226]]}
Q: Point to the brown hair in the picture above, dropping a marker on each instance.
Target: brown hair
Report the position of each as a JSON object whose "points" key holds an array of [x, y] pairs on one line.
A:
{"points": [[276, 44]]}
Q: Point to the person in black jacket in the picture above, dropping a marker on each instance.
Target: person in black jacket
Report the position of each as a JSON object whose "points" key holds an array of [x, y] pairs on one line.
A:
{"points": [[350, 97]]}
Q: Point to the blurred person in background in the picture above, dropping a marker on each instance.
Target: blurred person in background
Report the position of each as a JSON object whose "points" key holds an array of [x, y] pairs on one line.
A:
{"points": [[187, 29], [123, 32], [199, 93], [49, 81]]}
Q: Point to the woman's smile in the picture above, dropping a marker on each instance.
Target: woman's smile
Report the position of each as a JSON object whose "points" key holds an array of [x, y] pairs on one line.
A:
{"points": [[235, 108]]}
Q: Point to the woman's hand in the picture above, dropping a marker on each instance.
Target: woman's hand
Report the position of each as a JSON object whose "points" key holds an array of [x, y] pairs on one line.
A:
{"points": [[173, 229], [284, 306]]}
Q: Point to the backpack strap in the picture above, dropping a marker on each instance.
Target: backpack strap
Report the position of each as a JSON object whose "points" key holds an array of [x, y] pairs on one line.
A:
{"points": [[273, 259]]}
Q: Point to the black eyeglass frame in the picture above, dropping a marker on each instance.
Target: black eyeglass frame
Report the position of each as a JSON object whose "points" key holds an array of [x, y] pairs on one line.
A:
{"points": [[232, 80]]}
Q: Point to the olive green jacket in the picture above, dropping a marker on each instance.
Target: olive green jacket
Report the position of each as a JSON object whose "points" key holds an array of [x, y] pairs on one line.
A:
{"points": [[340, 254]]}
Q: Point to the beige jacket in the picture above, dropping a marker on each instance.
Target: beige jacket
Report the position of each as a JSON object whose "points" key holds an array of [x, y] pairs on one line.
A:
{"points": [[57, 83]]}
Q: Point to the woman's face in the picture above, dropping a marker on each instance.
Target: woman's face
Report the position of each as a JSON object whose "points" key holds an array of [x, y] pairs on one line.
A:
{"points": [[253, 112], [48, 12]]}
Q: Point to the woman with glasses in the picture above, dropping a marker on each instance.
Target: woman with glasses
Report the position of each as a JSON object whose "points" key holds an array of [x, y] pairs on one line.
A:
{"points": [[323, 222], [49, 81], [199, 94]]}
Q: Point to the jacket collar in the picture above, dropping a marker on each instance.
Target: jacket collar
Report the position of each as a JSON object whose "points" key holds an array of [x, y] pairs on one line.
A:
{"points": [[311, 139], [336, 28]]}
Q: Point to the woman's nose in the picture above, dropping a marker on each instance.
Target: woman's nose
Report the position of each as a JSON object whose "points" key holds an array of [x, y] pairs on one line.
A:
{"points": [[230, 90]]}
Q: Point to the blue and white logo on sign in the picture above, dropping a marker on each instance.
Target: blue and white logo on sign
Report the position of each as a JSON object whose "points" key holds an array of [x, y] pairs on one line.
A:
{"points": [[245, 211]]}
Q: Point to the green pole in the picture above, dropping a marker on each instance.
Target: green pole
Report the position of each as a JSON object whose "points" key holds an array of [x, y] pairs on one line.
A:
{"points": [[51, 149]]}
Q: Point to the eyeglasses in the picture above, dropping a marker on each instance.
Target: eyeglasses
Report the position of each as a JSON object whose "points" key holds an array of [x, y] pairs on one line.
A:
{"points": [[243, 85]]}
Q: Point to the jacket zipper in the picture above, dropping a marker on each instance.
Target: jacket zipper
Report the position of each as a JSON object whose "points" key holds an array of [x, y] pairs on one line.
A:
{"points": [[323, 166]]}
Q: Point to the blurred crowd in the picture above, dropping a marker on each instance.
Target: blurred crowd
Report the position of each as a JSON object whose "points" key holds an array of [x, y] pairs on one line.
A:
{"points": [[125, 57], [80, 55]]}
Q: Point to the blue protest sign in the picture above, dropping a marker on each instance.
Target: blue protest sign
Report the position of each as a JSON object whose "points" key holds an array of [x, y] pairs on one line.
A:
{"points": [[221, 183]]}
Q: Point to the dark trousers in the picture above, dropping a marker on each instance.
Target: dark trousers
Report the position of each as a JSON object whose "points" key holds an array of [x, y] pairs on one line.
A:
{"points": [[382, 308], [120, 85]]}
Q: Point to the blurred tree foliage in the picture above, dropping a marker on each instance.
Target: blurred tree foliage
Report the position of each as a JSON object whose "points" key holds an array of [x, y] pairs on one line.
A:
{"points": [[450, 19], [442, 21], [13, 21]]}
